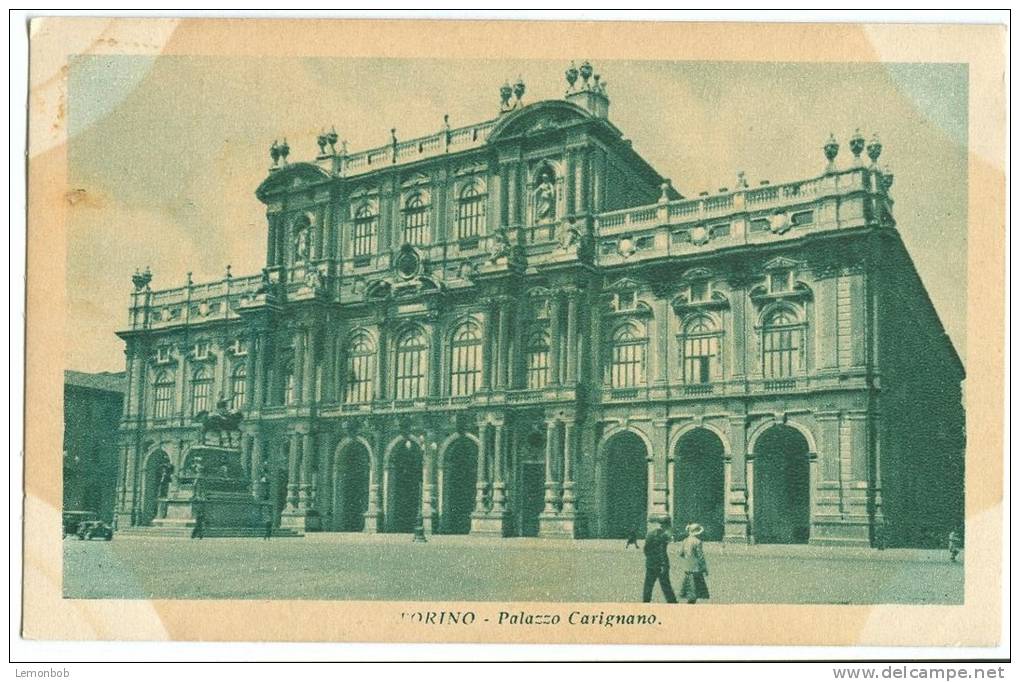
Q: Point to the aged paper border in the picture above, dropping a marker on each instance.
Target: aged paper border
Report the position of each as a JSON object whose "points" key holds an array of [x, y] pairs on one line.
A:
{"points": [[46, 615]]}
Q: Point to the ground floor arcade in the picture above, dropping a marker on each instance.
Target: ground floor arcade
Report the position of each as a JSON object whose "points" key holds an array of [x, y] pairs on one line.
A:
{"points": [[765, 478]]}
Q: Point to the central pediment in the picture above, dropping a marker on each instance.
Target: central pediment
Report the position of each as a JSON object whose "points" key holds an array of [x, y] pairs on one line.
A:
{"points": [[538, 117]]}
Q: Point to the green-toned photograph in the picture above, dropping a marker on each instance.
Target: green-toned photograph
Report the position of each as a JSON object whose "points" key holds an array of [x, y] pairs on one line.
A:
{"points": [[573, 330]]}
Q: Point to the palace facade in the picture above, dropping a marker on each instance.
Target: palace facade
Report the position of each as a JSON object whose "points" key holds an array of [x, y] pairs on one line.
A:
{"points": [[520, 328]]}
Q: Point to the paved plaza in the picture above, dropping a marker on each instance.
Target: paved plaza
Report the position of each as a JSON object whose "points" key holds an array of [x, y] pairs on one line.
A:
{"points": [[464, 568]]}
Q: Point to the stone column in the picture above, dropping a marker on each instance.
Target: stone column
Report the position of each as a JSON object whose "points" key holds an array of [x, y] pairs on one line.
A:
{"points": [[555, 310], [299, 364], [307, 457], [309, 363], [502, 354], [657, 503], [550, 480], [488, 368], [429, 510], [293, 459], [261, 358], [250, 371], [750, 500], [662, 340], [373, 515], [256, 468], [572, 337], [738, 491], [568, 468], [480, 478], [498, 485]]}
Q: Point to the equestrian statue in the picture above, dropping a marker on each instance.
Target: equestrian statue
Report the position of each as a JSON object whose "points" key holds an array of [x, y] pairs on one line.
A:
{"points": [[223, 421]]}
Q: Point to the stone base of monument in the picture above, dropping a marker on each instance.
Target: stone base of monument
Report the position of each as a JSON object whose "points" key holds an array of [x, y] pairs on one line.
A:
{"points": [[213, 485]]}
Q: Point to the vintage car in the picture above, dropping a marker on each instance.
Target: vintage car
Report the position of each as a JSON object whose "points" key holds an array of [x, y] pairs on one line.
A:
{"points": [[86, 525]]}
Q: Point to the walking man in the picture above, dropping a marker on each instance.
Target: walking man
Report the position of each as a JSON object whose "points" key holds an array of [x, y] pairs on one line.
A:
{"points": [[657, 562], [692, 558], [267, 516], [954, 545], [632, 538], [198, 532]]}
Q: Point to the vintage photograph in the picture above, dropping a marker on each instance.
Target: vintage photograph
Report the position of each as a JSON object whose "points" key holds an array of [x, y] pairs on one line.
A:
{"points": [[599, 331]]}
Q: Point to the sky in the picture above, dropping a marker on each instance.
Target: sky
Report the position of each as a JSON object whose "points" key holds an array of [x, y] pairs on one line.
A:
{"points": [[165, 153]]}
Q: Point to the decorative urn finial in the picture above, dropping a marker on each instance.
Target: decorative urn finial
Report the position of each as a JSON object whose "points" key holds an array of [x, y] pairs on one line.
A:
{"points": [[857, 145], [664, 191], [571, 76], [321, 141], [586, 71], [831, 148], [519, 90], [874, 149], [505, 92], [887, 179], [274, 153], [229, 275], [332, 137], [284, 150], [141, 279]]}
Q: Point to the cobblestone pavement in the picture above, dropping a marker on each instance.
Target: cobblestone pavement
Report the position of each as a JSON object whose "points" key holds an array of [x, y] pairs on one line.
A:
{"points": [[391, 567]]}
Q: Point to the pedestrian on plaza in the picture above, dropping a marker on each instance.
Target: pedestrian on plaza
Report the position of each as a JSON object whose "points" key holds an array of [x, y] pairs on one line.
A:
{"points": [[692, 559], [955, 545], [632, 538], [198, 532], [657, 562], [267, 515]]}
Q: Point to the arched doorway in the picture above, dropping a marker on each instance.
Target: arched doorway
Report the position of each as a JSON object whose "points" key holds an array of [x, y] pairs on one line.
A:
{"points": [[782, 487], [460, 475], [699, 483], [626, 501], [352, 478], [157, 471], [404, 486]]}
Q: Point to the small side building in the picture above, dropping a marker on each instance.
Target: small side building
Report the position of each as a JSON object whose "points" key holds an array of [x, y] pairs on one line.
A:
{"points": [[93, 404]]}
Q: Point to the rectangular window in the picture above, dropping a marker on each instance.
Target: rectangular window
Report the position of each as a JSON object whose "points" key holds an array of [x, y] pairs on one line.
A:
{"points": [[411, 367], [779, 282], [780, 348], [239, 385], [628, 361], [467, 369], [699, 291], [200, 396], [416, 224], [164, 400], [625, 300], [471, 216], [359, 379], [365, 228], [538, 368], [700, 354]]}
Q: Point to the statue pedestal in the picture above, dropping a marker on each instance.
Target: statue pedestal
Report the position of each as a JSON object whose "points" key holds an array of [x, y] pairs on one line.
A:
{"points": [[213, 485]]}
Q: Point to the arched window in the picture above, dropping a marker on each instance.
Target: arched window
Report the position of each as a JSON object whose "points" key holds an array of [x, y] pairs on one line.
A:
{"points": [[628, 361], [416, 220], [360, 361], [365, 228], [466, 359], [238, 386], [781, 340], [201, 390], [538, 359], [412, 365], [470, 213], [163, 395], [700, 345]]}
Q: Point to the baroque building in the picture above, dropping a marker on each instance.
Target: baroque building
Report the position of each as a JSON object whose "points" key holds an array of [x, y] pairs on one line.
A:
{"points": [[519, 327]]}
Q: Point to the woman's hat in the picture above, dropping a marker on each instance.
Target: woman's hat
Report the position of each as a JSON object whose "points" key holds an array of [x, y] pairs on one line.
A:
{"points": [[694, 529]]}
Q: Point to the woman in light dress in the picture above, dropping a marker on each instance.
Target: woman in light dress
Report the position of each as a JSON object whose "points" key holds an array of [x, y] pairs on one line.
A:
{"points": [[692, 561]]}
